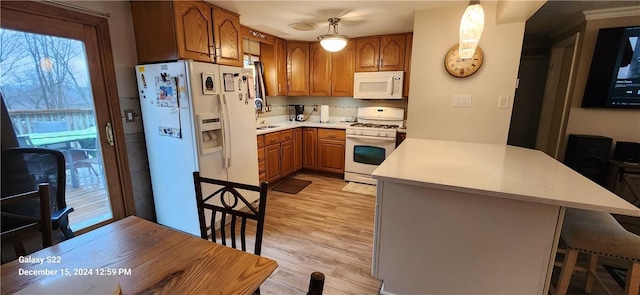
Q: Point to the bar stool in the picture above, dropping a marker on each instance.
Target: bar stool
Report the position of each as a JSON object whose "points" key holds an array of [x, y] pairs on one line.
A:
{"points": [[597, 234]]}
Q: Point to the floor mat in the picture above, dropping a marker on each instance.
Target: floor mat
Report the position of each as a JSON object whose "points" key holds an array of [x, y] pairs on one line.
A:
{"points": [[291, 186], [359, 188], [618, 274]]}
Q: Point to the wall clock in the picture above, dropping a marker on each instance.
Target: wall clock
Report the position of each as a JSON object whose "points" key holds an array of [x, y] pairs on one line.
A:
{"points": [[461, 68]]}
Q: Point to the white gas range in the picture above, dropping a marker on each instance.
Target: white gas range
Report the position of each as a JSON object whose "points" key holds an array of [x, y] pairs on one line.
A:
{"points": [[370, 141]]}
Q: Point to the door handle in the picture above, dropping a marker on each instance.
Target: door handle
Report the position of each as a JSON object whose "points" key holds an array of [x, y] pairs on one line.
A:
{"points": [[109, 134]]}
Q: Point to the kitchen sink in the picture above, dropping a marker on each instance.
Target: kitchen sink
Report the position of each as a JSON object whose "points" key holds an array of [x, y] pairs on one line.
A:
{"points": [[267, 127]]}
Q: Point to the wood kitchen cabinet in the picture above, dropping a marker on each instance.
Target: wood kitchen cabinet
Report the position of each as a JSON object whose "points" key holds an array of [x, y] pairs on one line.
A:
{"points": [[297, 149], [343, 65], [407, 65], [400, 137], [298, 68], [272, 156], [278, 153], [331, 148], [381, 53], [310, 148], [274, 61], [287, 152], [319, 70], [227, 37], [172, 30], [281, 67], [331, 73]]}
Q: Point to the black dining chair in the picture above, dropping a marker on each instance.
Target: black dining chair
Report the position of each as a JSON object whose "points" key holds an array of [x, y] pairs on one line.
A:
{"points": [[233, 208], [23, 169], [25, 223]]}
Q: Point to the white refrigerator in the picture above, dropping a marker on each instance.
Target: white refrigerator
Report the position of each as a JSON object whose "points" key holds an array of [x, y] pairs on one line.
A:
{"points": [[197, 117]]}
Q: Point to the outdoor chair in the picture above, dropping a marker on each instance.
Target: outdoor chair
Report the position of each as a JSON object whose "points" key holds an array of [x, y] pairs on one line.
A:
{"points": [[87, 155], [24, 168]]}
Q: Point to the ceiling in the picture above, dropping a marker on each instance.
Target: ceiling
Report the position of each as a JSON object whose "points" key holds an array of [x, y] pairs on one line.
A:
{"points": [[366, 18]]}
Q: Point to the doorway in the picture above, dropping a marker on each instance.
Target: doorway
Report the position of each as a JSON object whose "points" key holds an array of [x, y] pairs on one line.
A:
{"points": [[58, 85], [556, 100]]}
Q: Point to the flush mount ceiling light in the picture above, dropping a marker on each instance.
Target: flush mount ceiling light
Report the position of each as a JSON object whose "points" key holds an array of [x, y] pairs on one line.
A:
{"points": [[471, 26], [332, 41], [304, 26]]}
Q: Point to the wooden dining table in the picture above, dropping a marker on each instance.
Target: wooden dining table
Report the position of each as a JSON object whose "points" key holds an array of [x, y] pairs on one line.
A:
{"points": [[146, 258]]}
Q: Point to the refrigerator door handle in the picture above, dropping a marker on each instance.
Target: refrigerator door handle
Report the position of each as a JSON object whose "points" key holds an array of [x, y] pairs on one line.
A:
{"points": [[225, 132]]}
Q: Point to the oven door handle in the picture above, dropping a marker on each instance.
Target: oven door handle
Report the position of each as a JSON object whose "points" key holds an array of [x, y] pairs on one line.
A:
{"points": [[371, 138]]}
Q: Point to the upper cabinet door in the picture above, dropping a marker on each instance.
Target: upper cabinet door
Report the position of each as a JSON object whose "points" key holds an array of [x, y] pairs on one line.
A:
{"points": [[193, 30], [226, 31], [392, 52], [281, 67], [298, 68], [342, 69], [367, 54], [319, 70]]}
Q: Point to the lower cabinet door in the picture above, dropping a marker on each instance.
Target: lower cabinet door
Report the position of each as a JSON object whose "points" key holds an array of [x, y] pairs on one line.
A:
{"points": [[287, 158], [272, 162], [331, 156]]}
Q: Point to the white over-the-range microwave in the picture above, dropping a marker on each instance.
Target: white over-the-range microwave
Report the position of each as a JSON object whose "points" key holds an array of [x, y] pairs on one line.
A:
{"points": [[378, 85]]}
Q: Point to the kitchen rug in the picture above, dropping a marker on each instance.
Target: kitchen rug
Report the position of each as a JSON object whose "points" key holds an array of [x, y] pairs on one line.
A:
{"points": [[359, 188], [618, 274], [291, 185]]}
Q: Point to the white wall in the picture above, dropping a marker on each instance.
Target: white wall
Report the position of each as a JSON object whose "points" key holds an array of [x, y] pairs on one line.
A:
{"points": [[430, 114], [621, 125]]}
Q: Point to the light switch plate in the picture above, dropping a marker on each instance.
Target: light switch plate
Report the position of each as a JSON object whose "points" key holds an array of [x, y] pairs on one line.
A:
{"points": [[503, 102], [129, 116], [460, 100]]}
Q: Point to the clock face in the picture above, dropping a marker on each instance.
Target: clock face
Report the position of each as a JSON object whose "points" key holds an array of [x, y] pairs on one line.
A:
{"points": [[461, 68]]}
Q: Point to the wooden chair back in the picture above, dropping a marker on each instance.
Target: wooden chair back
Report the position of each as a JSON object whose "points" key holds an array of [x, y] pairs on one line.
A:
{"points": [[28, 222], [233, 206]]}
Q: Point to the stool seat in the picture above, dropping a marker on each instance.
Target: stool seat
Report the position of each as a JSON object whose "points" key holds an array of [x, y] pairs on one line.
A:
{"points": [[599, 233]]}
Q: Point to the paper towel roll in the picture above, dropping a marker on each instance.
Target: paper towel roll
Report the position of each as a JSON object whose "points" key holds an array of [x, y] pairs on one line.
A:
{"points": [[324, 113]]}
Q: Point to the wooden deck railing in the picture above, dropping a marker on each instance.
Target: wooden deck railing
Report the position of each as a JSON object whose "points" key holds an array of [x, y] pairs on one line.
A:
{"points": [[75, 119]]}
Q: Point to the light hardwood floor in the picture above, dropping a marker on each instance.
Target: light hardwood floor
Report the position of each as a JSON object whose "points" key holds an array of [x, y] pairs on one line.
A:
{"points": [[320, 229], [325, 229]]}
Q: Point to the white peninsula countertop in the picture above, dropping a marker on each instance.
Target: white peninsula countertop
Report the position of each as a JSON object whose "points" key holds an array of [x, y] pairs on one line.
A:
{"points": [[459, 218], [497, 170]]}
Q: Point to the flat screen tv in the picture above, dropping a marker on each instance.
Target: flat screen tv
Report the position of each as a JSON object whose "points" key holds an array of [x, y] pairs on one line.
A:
{"points": [[614, 76]]}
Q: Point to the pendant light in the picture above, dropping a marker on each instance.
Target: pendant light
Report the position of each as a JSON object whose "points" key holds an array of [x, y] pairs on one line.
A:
{"points": [[471, 26], [332, 41]]}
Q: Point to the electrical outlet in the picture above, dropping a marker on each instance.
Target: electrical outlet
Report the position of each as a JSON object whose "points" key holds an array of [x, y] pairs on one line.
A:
{"points": [[315, 108], [503, 102]]}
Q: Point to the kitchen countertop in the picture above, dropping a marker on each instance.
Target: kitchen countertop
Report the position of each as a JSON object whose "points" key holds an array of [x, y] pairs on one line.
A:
{"points": [[285, 125], [497, 170]]}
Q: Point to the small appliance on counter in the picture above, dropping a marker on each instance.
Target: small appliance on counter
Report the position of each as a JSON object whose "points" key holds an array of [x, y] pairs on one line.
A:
{"points": [[296, 112]]}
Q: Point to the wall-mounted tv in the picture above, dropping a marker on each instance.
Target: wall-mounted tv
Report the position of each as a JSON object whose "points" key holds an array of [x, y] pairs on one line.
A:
{"points": [[614, 76]]}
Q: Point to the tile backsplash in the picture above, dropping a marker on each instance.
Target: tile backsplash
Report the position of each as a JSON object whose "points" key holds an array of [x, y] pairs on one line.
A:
{"points": [[338, 106]]}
